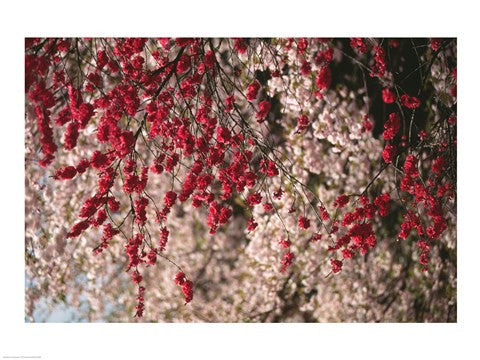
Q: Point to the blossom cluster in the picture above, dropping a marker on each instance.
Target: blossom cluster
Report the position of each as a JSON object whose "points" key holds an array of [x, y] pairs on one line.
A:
{"points": [[236, 164]]}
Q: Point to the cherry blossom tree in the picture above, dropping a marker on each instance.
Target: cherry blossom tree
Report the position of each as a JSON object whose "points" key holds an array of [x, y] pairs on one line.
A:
{"points": [[234, 180]]}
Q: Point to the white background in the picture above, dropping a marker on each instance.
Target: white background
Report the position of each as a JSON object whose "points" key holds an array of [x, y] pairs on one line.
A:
{"points": [[251, 19]]}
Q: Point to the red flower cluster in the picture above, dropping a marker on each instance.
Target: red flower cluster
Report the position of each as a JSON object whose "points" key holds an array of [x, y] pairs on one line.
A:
{"points": [[252, 225], [389, 153], [410, 166], [263, 109], [288, 257], [380, 65], [268, 168], [254, 199], [324, 78], [140, 210], [302, 123], [388, 96], [382, 202], [287, 261], [132, 250], [108, 233], [341, 201], [392, 126], [169, 198], [438, 164], [410, 102], [240, 45], [141, 305], [187, 286], [48, 145], [252, 90], [367, 125], [217, 215], [336, 265], [303, 223], [359, 44], [66, 173]]}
